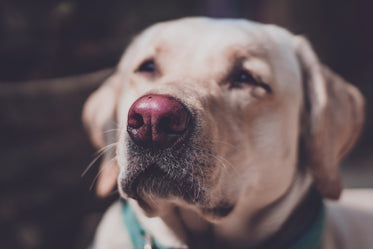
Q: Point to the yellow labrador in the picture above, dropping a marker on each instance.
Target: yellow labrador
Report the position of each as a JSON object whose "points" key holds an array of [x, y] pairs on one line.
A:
{"points": [[225, 133]]}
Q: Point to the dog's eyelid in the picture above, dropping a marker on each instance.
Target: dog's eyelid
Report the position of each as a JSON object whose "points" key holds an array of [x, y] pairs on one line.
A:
{"points": [[265, 86]]}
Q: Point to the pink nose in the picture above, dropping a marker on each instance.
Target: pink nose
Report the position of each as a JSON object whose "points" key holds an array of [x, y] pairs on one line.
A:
{"points": [[157, 121]]}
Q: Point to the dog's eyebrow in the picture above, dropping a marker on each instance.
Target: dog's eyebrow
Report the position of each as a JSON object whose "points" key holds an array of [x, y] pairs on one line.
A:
{"points": [[238, 50]]}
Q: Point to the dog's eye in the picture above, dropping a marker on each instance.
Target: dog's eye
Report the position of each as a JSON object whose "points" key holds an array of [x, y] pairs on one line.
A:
{"points": [[147, 67], [242, 78]]}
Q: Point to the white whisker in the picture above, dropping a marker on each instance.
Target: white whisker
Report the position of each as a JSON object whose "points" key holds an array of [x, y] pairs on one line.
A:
{"points": [[99, 153], [111, 130], [109, 164]]}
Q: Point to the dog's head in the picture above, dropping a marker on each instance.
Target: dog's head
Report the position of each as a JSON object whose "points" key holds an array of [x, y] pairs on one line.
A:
{"points": [[207, 111]]}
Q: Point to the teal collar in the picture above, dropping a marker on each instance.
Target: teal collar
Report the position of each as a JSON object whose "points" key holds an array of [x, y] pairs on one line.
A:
{"points": [[141, 239]]}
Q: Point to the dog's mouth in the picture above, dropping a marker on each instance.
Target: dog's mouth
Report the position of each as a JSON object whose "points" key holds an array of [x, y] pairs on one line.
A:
{"points": [[185, 173], [155, 181]]}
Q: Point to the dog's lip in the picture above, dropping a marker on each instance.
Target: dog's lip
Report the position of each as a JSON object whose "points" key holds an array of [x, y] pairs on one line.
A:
{"points": [[221, 210], [160, 183], [131, 183]]}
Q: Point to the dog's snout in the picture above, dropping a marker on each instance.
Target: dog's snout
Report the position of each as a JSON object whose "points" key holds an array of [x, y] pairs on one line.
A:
{"points": [[157, 121]]}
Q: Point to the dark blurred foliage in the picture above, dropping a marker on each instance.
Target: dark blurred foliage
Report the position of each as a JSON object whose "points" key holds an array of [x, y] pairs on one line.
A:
{"points": [[44, 201]]}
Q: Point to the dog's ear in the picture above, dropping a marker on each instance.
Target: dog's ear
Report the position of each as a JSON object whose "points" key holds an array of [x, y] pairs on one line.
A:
{"points": [[99, 120], [333, 118]]}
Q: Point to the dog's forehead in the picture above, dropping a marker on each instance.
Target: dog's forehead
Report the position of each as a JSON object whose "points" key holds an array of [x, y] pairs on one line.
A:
{"points": [[195, 33]]}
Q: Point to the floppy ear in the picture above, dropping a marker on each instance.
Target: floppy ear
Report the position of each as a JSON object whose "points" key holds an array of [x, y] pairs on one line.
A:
{"points": [[99, 120], [333, 118]]}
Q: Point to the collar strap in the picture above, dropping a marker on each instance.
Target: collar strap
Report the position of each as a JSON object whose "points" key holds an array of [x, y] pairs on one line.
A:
{"points": [[141, 239], [311, 236]]}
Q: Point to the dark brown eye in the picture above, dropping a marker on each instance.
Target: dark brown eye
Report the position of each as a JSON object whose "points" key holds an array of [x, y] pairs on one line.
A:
{"points": [[147, 67], [243, 77]]}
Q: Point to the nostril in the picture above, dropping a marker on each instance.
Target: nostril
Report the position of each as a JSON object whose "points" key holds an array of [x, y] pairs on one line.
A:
{"points": [[164, 125], [135, 121], [177, 123]]}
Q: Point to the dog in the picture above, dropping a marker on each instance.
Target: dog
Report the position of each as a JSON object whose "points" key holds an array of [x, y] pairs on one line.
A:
{"points": [[224, 133]]}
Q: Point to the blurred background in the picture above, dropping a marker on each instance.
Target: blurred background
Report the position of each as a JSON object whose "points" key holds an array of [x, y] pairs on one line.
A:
{"points": [[54, 53]]}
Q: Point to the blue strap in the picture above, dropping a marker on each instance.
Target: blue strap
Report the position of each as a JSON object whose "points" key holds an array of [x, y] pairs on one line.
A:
{"points": [[139, 236], [310, 239]]}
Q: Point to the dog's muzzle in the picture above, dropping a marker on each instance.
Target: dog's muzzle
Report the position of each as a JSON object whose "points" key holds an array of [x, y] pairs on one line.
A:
{"points": [[160, 154], [166, 157]]}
